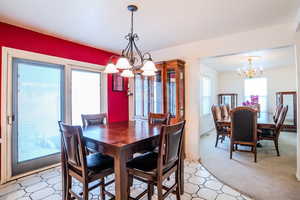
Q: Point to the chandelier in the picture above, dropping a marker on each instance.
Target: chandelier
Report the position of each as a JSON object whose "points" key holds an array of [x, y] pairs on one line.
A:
{"points": [[250, 71], [132, 60]]}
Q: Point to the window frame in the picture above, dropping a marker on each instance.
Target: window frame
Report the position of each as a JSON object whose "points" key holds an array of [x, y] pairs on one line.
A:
{"points": [[6, 99], [265, 96], [208, 97]]}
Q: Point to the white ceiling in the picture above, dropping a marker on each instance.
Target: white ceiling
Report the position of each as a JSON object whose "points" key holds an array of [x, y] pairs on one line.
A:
{"points": [[159, 23], [269, 58]]}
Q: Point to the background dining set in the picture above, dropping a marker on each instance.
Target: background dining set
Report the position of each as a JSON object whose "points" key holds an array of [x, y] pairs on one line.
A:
{"points": [[245, 127], [157, 143]]}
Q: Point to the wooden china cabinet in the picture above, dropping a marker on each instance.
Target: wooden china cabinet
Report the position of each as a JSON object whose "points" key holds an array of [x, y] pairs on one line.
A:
{"points": [[228, 99], [167, 90], [290, 99]]}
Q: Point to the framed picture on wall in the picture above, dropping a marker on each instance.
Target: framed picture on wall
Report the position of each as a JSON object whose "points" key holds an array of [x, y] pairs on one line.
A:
{"points": [[118, 83]]}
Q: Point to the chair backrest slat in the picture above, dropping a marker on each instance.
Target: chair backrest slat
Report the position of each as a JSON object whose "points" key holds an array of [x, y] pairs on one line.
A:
{"points": [[244, 124], [225, 111], [281, 118], [277, 112], [217, 114], [155, 118], [94, 119]]}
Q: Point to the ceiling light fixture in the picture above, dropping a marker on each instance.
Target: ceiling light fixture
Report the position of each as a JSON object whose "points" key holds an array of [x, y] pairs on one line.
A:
{"points": [[250, 71], [132, 60]]}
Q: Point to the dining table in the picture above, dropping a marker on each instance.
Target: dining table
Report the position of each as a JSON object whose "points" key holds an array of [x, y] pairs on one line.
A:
{"points": [[264, 121], [121, 140]]}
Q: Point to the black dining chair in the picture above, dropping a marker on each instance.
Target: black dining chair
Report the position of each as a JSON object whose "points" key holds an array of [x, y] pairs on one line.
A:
{"points": [[85, 168], [158, 118], [153, 168], [93, 119], [243, 130]]}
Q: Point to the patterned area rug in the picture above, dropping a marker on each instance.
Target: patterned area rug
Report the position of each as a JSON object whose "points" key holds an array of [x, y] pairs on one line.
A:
{"points": [[46, 185]]}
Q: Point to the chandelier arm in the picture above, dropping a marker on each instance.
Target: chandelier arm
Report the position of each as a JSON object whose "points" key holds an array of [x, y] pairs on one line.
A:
{"points": [[138, 52], [126, 49], [131, 55], [149, 56]]}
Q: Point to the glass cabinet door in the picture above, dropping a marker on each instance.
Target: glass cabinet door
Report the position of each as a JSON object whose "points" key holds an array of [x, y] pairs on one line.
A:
{"points": [[181, 94], [156, 93], [171, 92], [289, 101]]}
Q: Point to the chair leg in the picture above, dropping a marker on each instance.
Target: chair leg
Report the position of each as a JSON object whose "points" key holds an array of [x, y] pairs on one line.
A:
{"points": [[159, 190], [150, 190], [178, 185], [69, 186], [128, 185], [102, 189], [85, 191], [255, 153], [217, 139], [276, 146], [231, 148]]}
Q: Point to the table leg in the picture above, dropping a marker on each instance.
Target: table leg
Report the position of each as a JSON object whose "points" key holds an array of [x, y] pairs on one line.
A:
{"points": [[121, 177]]}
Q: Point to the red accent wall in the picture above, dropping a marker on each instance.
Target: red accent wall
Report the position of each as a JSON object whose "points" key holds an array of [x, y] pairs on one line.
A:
{"points": [[19, 38]]}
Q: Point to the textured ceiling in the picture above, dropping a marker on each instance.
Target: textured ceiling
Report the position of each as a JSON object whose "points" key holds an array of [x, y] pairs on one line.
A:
{"points": [[160, 24]]}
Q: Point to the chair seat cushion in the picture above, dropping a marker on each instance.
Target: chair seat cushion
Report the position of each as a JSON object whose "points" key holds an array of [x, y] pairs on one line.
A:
{"points": [[97, 162], [145, 162]]}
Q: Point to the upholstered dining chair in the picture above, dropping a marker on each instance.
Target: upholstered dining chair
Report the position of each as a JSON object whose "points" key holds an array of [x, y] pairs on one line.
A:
{"points": [[94, 119], [243, 129], [155, 118], [222, 132], [273, 133], [153, 168], [277, 112], [84, 168], [225, 111]]}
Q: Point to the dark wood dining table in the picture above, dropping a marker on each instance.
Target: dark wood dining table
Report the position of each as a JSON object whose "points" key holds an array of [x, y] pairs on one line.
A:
{"points": [[121, 140], [264, 120]]}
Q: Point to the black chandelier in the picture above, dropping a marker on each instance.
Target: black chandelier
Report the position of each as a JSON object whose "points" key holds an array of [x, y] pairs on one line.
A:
{"points": [[132, 60]]}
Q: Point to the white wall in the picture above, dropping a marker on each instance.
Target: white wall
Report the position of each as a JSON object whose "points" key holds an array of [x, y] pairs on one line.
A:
{"points": [[192, 53], [206, 121], [279, 79]]}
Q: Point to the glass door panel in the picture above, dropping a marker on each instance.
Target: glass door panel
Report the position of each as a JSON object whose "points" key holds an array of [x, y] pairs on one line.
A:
{"points": [[37, 107], [85, 94], [171, 91], [156, 89], [146, 97], [138, 95], [289, 101]]}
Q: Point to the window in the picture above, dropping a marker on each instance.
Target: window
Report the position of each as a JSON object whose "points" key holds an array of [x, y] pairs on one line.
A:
{"points": [[85, 101], [257, 86], [206, 95]]}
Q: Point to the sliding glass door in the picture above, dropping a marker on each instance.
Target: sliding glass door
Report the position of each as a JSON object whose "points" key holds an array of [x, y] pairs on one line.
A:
{"points": [[85, 94], [38, 99]]}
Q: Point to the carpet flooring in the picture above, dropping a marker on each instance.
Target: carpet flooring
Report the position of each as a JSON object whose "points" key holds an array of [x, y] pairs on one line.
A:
{"points": [[271, 178]]}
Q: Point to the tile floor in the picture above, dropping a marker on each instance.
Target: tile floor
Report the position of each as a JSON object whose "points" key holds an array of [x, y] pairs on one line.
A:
{"points": [[199, 185]]}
